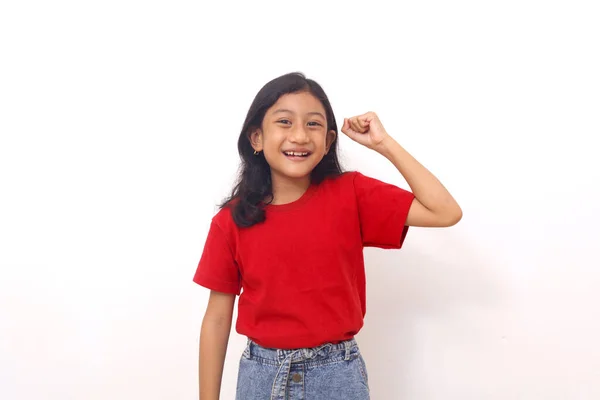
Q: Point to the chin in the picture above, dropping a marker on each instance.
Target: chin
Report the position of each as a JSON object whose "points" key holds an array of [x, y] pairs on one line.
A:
{"points": [[293, 170], [294, 173]]}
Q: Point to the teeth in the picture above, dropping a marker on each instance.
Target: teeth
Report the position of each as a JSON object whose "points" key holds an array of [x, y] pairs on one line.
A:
{"points": [[294, 153]]}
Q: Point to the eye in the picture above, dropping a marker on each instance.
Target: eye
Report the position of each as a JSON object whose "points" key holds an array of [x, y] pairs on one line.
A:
{"points": [[315, 123], [284, 121]]}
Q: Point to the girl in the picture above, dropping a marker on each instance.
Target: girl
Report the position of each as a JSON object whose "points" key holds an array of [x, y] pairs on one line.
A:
{"points": [[289, 241]]}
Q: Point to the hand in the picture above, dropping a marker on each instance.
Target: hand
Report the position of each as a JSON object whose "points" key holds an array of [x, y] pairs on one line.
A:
{"points": [[366, 129]]}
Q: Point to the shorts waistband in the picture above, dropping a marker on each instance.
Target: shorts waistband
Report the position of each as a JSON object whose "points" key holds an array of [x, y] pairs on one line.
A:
{"points": [[342, 349]]}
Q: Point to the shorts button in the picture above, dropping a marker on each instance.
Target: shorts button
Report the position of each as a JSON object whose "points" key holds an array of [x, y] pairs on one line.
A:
{"points": [[296, 377]]}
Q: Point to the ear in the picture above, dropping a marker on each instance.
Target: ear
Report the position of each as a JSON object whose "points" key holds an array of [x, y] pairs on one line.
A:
{"points": [[329, 140], [256, 137]]}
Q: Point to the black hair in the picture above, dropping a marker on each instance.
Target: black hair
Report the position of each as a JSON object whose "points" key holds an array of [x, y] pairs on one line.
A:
{"points": [[253, 188]]}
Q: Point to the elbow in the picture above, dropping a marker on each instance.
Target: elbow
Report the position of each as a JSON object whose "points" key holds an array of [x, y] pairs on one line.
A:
{"points": [[449, 217], [419, 215], [454, 217]]}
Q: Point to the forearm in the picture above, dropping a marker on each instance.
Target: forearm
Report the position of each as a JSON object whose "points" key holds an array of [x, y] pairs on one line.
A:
{"points": [[425, 186], [214, 337]]}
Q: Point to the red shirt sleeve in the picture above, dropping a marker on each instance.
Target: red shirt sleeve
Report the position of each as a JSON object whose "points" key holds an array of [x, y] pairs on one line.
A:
{"points": [[217, 269], [383, 209]]}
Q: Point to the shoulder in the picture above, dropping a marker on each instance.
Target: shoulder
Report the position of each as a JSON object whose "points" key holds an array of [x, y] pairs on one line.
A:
{"points": [[351, 180], [336, 189], [361, 181], [344, 183], [350, 177], [344, 179], [224, 218]]}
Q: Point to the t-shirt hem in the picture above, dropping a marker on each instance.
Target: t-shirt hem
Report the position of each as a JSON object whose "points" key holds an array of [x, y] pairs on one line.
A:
{"points": [[297, 343], [402, 221], [400, 234], [219, 286]]}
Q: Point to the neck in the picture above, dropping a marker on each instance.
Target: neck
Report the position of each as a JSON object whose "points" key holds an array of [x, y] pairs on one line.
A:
{"points": [[287, 190]]}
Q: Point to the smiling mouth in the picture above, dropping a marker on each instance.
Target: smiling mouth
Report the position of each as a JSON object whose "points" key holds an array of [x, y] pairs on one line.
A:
{"points": [[297, 154]]}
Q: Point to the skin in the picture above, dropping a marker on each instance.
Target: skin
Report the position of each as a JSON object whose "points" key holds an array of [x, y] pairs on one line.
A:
{"points": [[433, 206], [295, 122], [301, 127], [214, 337]]}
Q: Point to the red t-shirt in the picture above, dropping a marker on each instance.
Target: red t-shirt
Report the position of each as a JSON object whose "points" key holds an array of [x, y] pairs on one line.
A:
{"points": [[301, 272]]}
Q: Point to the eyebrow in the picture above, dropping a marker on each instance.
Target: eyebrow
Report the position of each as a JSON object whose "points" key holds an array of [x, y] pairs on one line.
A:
{"points": [[282, 110]]}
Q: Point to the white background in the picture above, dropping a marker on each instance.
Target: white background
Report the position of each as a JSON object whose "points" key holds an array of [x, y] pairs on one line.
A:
{"points": [[119, 122]]}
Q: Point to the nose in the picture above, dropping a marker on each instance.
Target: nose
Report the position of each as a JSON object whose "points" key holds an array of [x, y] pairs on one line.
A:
{"points": [[298, 135]]}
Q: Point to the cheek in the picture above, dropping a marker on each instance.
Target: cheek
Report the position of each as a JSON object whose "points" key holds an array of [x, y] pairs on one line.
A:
{"points": [[321, 141], [272, 146], [273, 138]]}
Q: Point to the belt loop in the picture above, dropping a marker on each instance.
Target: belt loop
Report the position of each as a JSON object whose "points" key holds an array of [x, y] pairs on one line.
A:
{"points": [[248, 349], [347, 350], [306, 353]]}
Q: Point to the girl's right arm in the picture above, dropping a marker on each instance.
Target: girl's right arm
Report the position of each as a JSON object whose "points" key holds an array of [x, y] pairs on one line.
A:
{"points": [[214, 337]]}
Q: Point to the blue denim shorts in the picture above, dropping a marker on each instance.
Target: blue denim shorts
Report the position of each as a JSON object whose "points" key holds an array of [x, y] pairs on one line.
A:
{"points": [[326, 372]]}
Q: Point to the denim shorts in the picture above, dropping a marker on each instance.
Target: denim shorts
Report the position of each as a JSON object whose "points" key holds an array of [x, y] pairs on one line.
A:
{"points": [[326, 372]]}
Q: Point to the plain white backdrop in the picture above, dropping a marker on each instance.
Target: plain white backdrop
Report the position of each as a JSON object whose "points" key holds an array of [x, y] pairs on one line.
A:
{"points": [[119, 122]]}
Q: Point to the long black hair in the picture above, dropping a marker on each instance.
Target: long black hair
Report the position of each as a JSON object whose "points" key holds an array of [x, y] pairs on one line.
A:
{"points": [[253, 186]]}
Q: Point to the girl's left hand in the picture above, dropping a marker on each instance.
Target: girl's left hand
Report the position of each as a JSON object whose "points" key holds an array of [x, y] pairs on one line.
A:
{"points": [[366, 129]]}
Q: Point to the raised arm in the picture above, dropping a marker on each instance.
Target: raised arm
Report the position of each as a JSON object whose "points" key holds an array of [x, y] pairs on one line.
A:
{"points": [[433, 205]]}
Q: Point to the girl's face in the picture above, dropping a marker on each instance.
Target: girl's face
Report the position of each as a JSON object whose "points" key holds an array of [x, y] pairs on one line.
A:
{"points": [[294, 137]]}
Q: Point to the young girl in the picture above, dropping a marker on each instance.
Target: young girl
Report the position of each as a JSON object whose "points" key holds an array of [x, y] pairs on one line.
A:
{"points": [[289, 241]]}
